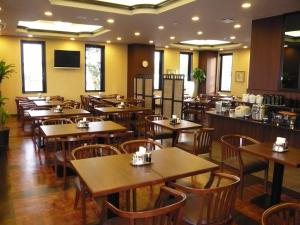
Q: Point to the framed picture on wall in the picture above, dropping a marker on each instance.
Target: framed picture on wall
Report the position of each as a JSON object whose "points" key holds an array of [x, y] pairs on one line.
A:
{"points": [[239, 76]]}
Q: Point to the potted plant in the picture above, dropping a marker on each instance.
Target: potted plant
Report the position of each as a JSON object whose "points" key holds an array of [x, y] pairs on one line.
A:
{"points": [[198, 75], [5, 71]]}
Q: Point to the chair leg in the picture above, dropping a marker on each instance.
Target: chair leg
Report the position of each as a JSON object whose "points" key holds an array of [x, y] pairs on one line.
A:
{"points": [[266, 179], [134, 199], [241, 187], [65, 175], [77, 196]]}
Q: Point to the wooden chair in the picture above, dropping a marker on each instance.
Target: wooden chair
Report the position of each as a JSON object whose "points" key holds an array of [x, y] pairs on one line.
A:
{"points": [[133, 146], [90, 151], [116, 138], [241, 163], [63, 156], [165, 211], [282, 214], [197, 142], [56, 98], [211, 205], [156, 132], [88, 118]]}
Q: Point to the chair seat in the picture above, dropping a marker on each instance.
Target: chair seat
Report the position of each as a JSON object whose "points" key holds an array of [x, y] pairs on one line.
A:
{"points": [[197, 181], [162, 134], [251, 163]]}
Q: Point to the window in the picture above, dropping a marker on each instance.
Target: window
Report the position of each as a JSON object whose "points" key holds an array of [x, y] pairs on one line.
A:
{"points": [[33, 66], [225, 72], [94, 68], [158, 62], [185, 64]]}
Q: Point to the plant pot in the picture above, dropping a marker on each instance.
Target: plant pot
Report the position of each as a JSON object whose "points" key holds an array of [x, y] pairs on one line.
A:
{"points": [[4, 138]]}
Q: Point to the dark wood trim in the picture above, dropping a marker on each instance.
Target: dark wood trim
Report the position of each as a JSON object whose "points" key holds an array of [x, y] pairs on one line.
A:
{"points": [[44, 82], [102, 69]]}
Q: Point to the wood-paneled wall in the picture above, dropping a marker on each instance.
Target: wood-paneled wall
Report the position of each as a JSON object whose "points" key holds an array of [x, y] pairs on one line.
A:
{"points": [[208, 62], [136, 54]]}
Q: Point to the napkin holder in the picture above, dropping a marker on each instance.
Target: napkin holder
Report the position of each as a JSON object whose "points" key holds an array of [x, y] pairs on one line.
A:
{"points": [[280, 146], [58, 109], [141, 157], [121, 106], [174, 121]]}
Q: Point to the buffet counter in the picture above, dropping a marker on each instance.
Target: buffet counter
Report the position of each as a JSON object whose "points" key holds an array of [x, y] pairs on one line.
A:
{"points": [[261, 131]]}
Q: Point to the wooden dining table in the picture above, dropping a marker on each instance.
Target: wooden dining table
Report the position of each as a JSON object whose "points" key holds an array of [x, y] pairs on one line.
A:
{"points": [[127, 109], [50, 103], [281, 159], [36, 98], [183, 125], [42, 114], [167, 164]]}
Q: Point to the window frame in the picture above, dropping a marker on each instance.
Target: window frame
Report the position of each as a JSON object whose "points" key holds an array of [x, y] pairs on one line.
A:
{"points": [[102, 83], [44, 83], [190, 54], [220, 71], [161, 63]]}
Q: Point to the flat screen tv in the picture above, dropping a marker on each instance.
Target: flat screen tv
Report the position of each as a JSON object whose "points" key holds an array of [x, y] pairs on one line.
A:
{"points": [[66, 59]]}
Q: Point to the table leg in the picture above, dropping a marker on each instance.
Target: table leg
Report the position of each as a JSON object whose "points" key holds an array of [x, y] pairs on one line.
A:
{"points": [[174, 138], [277, 183], [83, 206], [113, 199]]}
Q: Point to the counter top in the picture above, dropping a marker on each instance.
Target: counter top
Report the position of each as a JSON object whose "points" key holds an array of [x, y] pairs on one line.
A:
{"points": [[214, 113]]}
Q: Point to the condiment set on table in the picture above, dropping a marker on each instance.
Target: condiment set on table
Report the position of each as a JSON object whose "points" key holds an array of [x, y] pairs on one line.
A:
{"points": [[141, 157], [83, 123], [58, 109], [175, 120], [281, 145], [121, 105]]}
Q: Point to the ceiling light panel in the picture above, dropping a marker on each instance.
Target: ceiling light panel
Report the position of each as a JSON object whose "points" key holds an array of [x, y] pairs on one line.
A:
{"points": [[295, 33], [58, 26], [246, 5], [204, 42]]}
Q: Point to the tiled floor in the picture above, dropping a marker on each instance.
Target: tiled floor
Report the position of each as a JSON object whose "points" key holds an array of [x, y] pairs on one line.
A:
{"points": [[30, 194]]}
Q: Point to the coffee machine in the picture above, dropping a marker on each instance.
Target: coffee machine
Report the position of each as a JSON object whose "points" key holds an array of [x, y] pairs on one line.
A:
{"points": [[258, 112]]}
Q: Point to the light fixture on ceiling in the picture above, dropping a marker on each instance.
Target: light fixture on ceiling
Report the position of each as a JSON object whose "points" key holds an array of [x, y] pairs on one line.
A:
{"points": [[108, 41], [48, 13], [167, 46], [195, 18], [246, 5], [72, 39], [295, 33], [110, 21], [172, 37], [227, 20], [0, 8], [137, 33], [191, 49], [161, 27], [285, 46], [151, 41], [119, 38], [232, 37], [199, 32], [237, 26], [30, 35], [245, 46], [221, 49], [204, 42]]}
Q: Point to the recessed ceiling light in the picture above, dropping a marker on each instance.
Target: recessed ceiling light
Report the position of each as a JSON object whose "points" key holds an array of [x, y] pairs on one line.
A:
{"points": [[227, 20], [151, 41], [172, 37], [119, 38], [195, 18], [167, 46], [221, 49], [295, 33], [29, 35], [48, 13], [137, 33], [108, 41], [191, 49], [232, 37], [245, 46], [161, 27], [199, 32], [285, 46], [0, 8], [237, 26], [110, 21], [81, 17], [204, 42], [72, 39], [246, 5]]}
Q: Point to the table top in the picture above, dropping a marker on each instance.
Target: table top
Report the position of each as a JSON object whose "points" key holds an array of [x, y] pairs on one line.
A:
{"points": [[107, 110], [36, 98], [264, 150], [48, 103], [114, 101], [120, 175], [183, 125], [61, 130], [35, 114]]}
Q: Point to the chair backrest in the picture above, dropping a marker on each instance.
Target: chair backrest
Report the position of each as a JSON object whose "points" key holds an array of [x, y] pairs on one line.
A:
{"points": [[39, 108], [57, 121], [230, 147], [90, 151], [56, 98], [123, 118], [89, 118], [135, 102], [215, 204], [204, 141], [133, 146], [151, 127], [167, 210], [282, 214]]}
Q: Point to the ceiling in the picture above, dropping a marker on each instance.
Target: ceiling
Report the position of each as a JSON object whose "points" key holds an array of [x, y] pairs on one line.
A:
{"points": [[177, 21]]}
